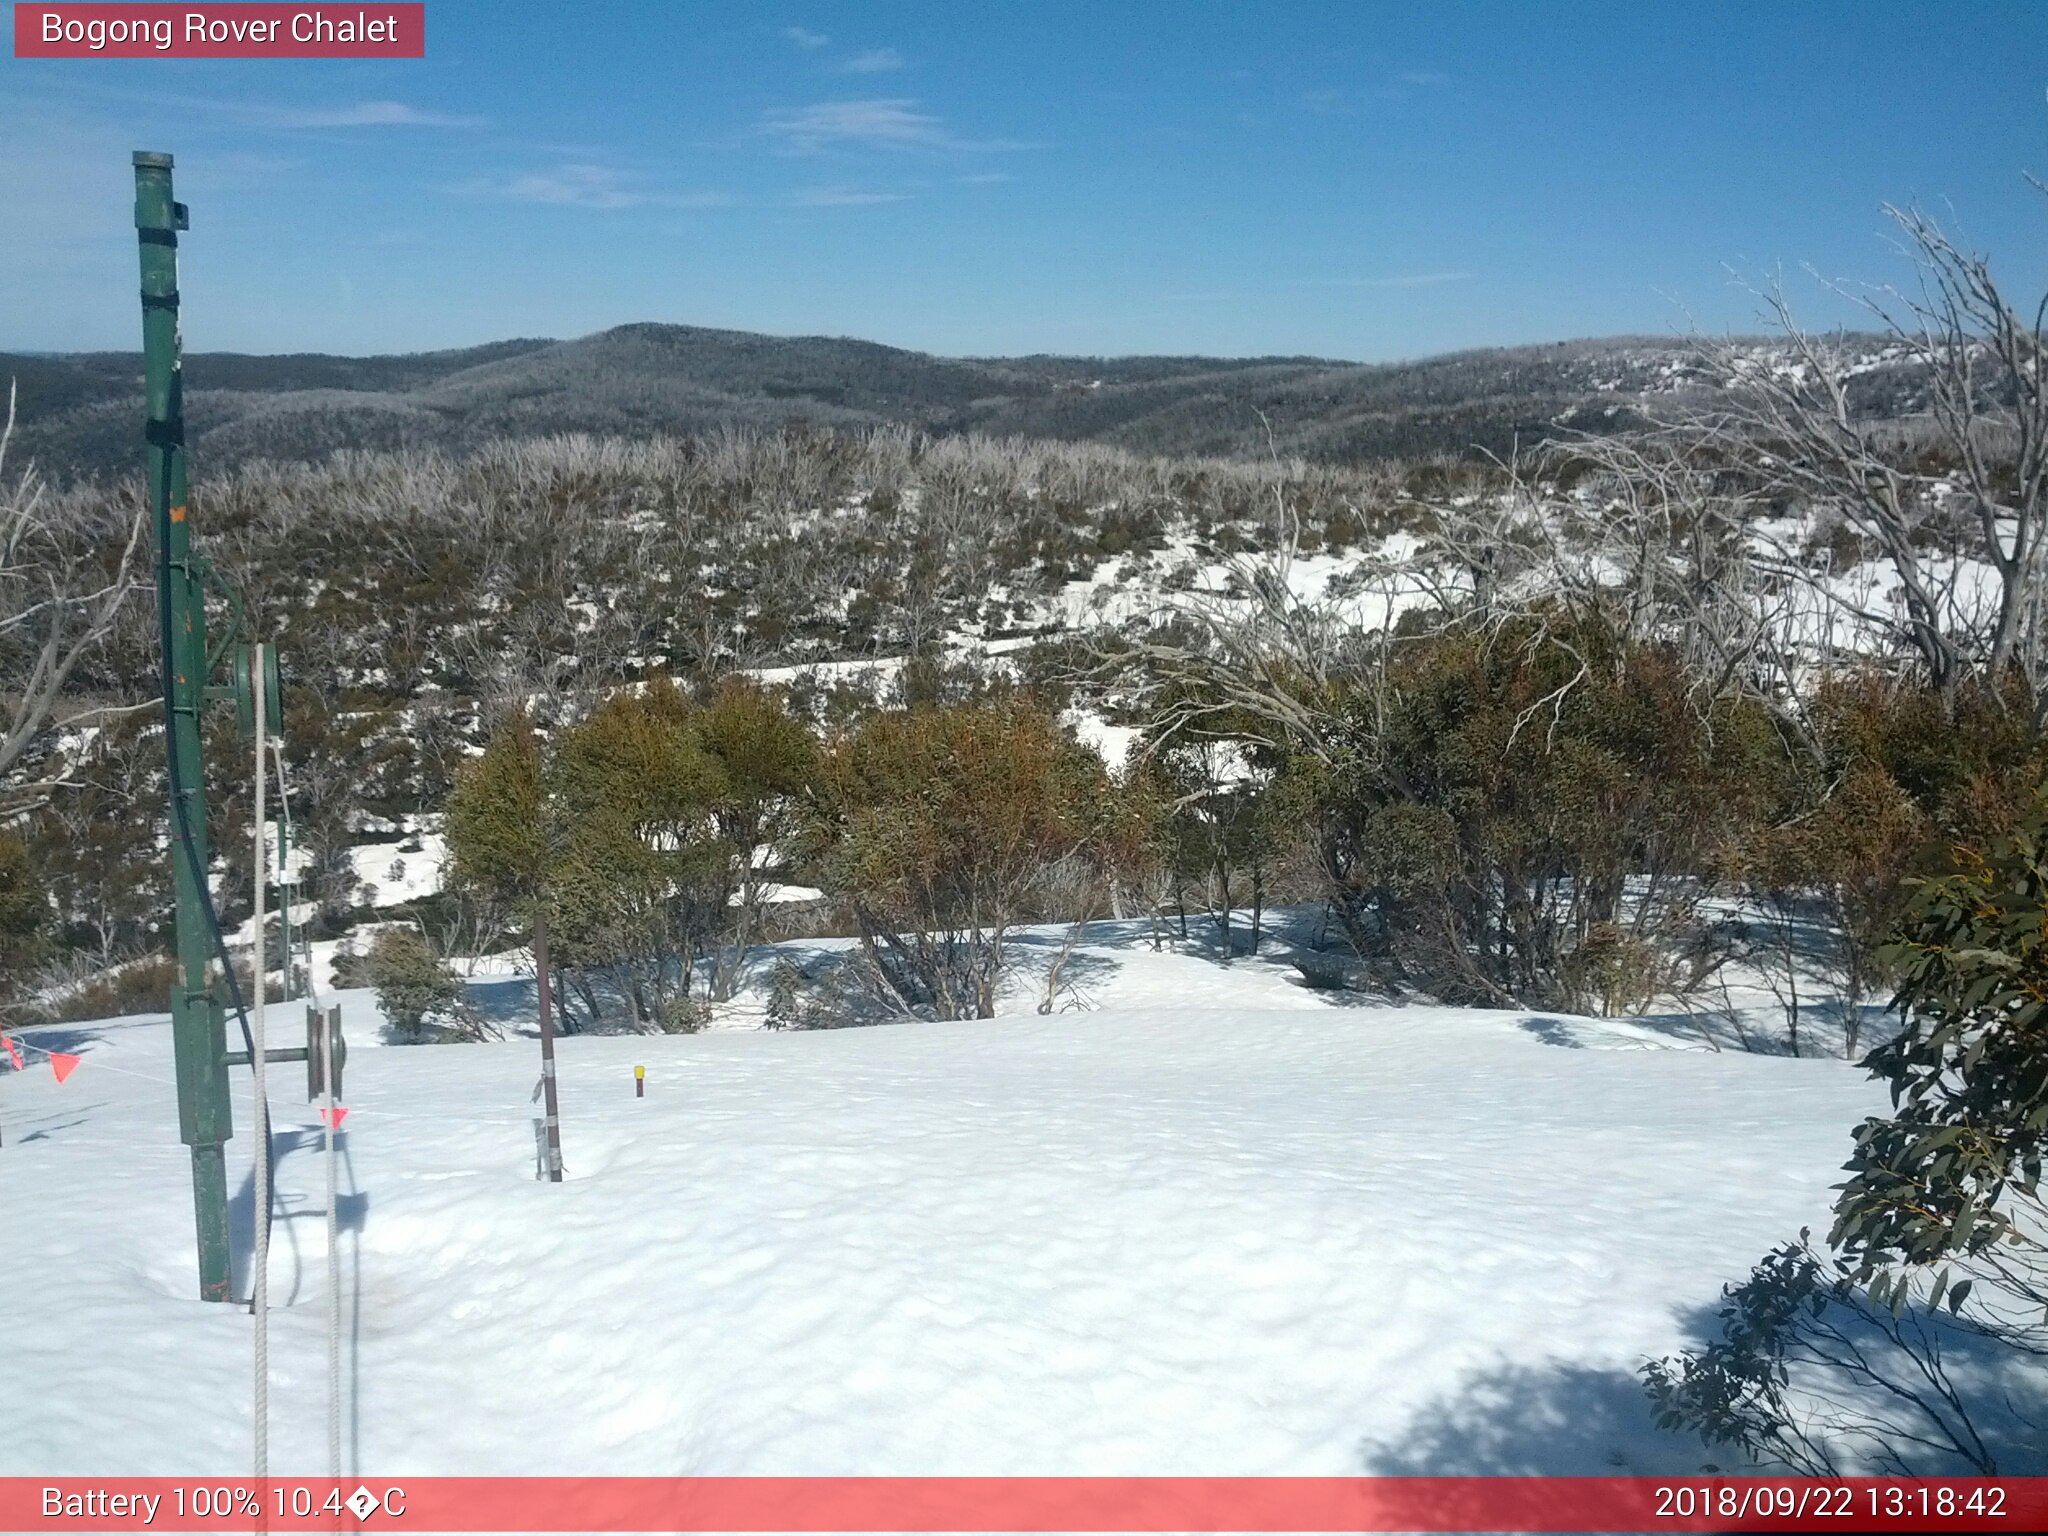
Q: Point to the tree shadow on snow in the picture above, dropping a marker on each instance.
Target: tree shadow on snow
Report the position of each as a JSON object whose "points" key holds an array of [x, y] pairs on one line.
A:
{"points": [[506, 1002], [1291, 940], [1560, 1420], [1029, 959], [1563, 1419], [73, 1039], [511, 1005], [1822, 1022], [1552, 1032]]}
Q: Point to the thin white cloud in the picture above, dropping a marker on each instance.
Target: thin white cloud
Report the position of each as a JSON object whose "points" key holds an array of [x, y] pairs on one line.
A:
{"points": [[984, 178], [1404, 280], [363, 114], [872, 61], [590, 186], [373, 113], [894, 124], [843, 197], [876, 123], [1403, 87], [804, 37]]}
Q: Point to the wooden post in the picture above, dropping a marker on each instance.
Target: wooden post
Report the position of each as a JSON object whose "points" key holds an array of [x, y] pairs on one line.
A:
{"points": [[551, 1104]]}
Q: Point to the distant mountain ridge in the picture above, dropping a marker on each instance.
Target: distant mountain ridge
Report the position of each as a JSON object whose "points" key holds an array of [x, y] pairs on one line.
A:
{"points": [[78, 412]]}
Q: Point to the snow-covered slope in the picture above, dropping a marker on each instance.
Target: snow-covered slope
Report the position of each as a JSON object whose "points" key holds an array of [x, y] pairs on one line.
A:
{"points": [[1229, 1229]]}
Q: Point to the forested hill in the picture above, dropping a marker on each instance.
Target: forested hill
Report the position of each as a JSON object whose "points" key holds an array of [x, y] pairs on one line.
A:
{"points": [[78, 412]]}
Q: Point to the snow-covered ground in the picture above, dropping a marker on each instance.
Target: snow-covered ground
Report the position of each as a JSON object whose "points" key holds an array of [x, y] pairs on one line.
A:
{"points": [[1218, 1224]]}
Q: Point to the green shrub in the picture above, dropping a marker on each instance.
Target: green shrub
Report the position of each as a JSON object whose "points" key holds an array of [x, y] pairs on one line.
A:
{"points": [[416, 988], [682, 1014], [1877, 1356], [140, 986], [784, 995], [24, 913]]}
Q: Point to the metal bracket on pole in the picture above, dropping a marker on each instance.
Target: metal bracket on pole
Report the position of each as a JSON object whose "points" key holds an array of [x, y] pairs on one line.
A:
{"points": [[318, 1026]]}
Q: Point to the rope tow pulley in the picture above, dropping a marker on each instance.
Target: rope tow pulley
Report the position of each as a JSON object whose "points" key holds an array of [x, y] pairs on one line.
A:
{"points": [[245, 690]]}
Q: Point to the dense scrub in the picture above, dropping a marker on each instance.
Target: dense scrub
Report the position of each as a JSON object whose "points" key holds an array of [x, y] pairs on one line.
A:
{"points": [[417, 597]]}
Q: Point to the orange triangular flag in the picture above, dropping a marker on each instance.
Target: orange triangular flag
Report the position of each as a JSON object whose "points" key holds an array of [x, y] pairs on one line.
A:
{"points": [[14, 1051], [64, 1065], [339, 1112]]}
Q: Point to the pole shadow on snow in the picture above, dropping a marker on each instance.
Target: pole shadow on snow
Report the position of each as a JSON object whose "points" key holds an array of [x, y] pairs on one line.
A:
{"points": [[44, 1133], [351, 1215], [351, 1210]]}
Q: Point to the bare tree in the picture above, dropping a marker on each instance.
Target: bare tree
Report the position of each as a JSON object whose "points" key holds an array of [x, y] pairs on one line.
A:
{"points": [[1965, 496], [59, 596]]}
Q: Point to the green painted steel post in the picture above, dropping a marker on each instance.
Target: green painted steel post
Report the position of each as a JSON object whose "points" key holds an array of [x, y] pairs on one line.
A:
{"points": [[198, 1023]]}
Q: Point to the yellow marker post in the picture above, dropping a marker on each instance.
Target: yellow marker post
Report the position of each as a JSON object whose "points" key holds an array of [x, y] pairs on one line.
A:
{"points": [[639, 1082]]}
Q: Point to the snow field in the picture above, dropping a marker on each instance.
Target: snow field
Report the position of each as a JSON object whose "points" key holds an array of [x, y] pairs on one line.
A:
{"points": [[1219, 1226]]}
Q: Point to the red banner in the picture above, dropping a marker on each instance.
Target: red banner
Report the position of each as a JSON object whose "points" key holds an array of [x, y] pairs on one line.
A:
{"points": [[1033, 1504], [203, 31]]}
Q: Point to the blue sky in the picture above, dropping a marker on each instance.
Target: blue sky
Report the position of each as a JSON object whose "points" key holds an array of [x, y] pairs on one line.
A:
{"points": [[1354, 180]]}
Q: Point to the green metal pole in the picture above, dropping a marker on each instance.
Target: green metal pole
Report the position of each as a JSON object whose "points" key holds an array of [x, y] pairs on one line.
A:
{"points": [[198, 1023]]}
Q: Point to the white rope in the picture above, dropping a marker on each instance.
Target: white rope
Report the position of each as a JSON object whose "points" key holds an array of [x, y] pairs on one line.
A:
{"points": [[333, 1264], [259, 1294], [325, 1045]]}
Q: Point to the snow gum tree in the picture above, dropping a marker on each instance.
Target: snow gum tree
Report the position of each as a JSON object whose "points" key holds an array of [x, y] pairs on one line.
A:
{"points": [[1534, 814], [768, 763], [1914, 1346], [1954, 1172], [417, 990], [639, 892], [648, 832], [1890, 777], [1232, 818], [941, 826], [497, 833], [500, 848]]}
